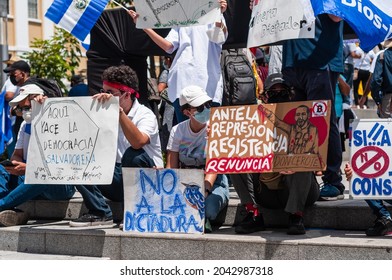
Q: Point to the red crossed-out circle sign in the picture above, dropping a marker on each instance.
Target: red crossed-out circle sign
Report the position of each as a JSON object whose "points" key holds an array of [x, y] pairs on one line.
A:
{"points": [[376, 154]]}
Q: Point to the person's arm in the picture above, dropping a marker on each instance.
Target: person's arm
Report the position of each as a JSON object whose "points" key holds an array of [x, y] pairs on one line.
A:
{"points": [[348, 171], [172, 159], [343, 86], [161, 87], [19, 167], [135, 137], [209, 181], [158, 39]]}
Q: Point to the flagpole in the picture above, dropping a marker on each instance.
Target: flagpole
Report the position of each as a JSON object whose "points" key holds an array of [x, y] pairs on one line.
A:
{"points": [[118, 4]]}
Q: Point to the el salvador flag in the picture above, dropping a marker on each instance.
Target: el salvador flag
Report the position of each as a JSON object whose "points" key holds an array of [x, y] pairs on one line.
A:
{"points": [[77, 16]]}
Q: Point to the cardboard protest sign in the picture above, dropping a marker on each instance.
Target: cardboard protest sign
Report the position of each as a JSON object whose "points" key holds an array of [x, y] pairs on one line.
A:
{"points": [[164, 200], [276, 20], [172, 13], [73, 141], [269, 137], [370, 159]]}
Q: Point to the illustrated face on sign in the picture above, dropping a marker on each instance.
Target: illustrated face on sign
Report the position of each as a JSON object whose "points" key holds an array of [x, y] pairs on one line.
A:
{"points": [[301, 116]]}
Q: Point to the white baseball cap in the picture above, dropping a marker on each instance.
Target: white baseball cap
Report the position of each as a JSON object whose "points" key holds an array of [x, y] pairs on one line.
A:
{"points": [[194, 96], [26, 91]]}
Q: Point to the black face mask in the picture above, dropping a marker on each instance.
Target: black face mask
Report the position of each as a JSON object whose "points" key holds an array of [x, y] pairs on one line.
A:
{"points": [[13, 80]]}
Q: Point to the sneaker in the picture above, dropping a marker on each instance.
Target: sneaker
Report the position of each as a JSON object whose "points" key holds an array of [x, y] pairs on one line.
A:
{"points": [[207, 226], [9, 218], [251, 224], [382, 226], [91, 220], [329, 192], [296, 225]]}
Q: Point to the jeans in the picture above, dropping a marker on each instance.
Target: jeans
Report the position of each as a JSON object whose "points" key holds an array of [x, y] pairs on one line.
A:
{"points": [[13, 191], [219, 197], [320, 85], [379, 208], [94, 196]]}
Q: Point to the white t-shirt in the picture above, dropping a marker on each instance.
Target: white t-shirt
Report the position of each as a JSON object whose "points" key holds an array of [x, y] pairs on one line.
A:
{"points": [[197, 62], [9, 87], [191, 146], [371, 69], [146, 122], [23, 138]]}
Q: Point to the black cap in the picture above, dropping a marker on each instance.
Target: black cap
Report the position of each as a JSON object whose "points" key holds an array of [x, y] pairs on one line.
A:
{"points": [[18, 65], [273, 79]]}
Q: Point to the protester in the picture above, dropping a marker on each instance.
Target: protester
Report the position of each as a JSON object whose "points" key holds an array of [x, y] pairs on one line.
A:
{"points": [[78, 87], [363, 76], [8, 91], [13, 190], [19, 73], [381, 84], [349, 52], [187, 145], [138, 144], [383, 223], [197, 58], [286, 190], [342, 91], [166, 108]]}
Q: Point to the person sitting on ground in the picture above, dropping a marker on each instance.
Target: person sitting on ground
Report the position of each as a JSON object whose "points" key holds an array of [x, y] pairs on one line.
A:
{"points": [[383, 223], [138, 144], [78, 87], [13, 190], [186, 149], [291, 191]]}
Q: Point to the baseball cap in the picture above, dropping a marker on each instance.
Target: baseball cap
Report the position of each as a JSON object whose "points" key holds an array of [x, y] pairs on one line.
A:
{"points": [[24, 92], [194, 96], [18, 65], [274, 79]]}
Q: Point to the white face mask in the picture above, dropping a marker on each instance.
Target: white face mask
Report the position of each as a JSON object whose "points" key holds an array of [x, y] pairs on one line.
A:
{"points": [[27, 116], [216, 35], [203, 117]]}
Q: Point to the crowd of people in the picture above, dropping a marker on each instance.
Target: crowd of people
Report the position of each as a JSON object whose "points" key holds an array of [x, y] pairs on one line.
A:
{"points": [[191, 83]]}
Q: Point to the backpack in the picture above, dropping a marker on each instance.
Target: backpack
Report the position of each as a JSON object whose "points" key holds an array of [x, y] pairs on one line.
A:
{"points": [[239, 83], [50, 87], [152, 90]]}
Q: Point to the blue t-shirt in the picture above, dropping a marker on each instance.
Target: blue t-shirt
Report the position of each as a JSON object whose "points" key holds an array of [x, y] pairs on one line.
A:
{"points": [[323, 52], [79, 90]]}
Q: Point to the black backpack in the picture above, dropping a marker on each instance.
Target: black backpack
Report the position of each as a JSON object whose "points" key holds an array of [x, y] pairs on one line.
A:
{"points": [[50, 87], [239, 83]]}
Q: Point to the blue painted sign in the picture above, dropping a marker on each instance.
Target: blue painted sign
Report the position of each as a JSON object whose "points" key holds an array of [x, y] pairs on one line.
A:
{"points": [[163, 200]]}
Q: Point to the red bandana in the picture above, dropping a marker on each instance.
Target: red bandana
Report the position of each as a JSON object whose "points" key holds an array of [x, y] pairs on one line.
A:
{"points": [[121, 87]]}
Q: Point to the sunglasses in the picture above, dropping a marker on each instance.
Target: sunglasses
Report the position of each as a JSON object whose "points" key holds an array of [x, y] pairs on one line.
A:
{"points": [[200, 109], [21, 109]]}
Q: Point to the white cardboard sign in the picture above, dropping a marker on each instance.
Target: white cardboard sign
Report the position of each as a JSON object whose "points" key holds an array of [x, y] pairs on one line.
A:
{"points": [[172, 13], [370, 159], [73, 141], [277, 20]]}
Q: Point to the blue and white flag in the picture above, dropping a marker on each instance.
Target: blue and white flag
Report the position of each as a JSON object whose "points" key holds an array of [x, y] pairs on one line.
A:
{"points": [[370, 19], [76, 16]]}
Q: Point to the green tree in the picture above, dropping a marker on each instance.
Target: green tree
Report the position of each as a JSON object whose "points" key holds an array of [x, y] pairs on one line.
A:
{"points": [[55, 58]]}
